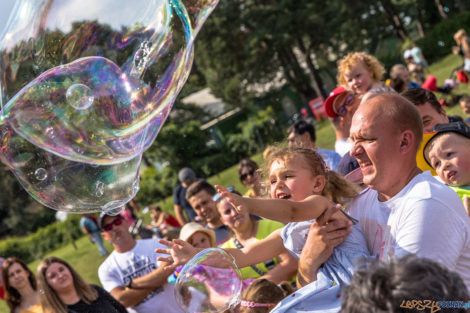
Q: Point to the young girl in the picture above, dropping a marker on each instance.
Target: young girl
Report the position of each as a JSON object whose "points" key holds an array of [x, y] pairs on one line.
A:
{"points": [[361, 73], [263, 295], [300, 176], [197, 235]]}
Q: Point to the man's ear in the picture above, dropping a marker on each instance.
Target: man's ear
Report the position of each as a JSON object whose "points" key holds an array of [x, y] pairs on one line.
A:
{"points": [[407, 141]]}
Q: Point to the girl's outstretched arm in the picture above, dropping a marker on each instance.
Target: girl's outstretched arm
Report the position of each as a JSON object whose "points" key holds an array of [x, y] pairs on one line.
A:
{"points": [[284, 211], [180, 252], [259, 251]]}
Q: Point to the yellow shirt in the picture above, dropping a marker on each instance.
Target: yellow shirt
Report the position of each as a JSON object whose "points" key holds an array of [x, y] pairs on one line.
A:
{"points": [[265, 228], [33, 309]]}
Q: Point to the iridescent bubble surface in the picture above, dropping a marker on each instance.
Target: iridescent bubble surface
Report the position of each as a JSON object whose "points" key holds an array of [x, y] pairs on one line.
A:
{"points": [[86, 87], [209, 282]]}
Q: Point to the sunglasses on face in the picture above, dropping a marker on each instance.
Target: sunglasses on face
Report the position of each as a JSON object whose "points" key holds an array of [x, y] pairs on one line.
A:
{"points": [[244, 176], [341, 111], [117, 222]]}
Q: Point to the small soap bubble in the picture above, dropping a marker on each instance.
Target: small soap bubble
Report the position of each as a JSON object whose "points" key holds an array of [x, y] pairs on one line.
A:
{"points": [[79, 96], [40, 174], [209, 282], [99, 189]]}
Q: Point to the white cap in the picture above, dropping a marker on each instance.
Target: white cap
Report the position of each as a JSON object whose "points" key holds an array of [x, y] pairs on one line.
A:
{"points": [[190, 228]]}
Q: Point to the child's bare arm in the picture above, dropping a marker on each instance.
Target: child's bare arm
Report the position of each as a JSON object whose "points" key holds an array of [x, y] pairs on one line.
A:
{"points": [[466, 204], [285, 270], [284, 211], [259, 251]]}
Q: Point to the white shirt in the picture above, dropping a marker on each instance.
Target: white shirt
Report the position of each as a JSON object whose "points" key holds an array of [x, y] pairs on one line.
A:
{"points": [[118, 268], [342, 146], [426, 218]]}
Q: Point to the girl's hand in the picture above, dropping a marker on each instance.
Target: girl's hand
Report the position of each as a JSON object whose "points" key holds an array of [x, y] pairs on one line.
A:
{"points": [[179, 251], [235, 200]]}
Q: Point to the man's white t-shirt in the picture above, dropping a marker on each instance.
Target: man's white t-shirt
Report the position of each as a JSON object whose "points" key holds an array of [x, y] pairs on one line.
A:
{"points": [[426, 218], [342, 146], [118, 268]]}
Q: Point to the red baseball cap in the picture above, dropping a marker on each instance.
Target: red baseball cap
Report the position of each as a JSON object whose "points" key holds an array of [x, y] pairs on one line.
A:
{"points": [[328, 104], [430, 83]]}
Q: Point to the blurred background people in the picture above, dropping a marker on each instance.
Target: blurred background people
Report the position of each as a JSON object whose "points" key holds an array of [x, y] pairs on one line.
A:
{"points": [[302, 134], [90, 227], [20, 287], [184, 212], [250, 177], [162, 222]]}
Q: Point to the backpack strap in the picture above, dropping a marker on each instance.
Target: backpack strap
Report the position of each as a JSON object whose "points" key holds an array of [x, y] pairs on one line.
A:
{"points": [[269, 264]]}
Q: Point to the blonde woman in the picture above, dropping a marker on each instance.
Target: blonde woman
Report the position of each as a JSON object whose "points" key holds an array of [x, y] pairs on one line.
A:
{"points": [[21, 293], [64, 291]]}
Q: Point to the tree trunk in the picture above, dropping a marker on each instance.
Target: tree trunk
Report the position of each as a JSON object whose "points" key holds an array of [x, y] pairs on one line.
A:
{"points": [[316, 79], [440, 8], [392, 15], [294, 74], [419, 20]]}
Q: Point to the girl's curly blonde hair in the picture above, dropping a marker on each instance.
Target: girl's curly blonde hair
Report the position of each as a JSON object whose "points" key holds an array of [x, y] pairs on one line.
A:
{"points": [[353, 58]]}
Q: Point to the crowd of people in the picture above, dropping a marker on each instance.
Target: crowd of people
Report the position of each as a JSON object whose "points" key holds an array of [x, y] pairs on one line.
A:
{"points": [[382, 220]]}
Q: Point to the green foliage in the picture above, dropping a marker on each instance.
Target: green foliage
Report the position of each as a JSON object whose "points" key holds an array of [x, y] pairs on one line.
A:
{"points": [[439, 41], [46, 239]]}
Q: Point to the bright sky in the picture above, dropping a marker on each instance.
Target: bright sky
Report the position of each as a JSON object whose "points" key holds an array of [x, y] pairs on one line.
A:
{"points": [[5, 9]]}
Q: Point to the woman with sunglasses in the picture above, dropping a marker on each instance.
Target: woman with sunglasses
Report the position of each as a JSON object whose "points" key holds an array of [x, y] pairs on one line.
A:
{"points": [[250, 177], [21, 293], [63, 290]]}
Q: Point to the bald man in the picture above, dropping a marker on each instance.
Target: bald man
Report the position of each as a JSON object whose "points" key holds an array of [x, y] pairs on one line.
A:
{"points": [[403, 210]]}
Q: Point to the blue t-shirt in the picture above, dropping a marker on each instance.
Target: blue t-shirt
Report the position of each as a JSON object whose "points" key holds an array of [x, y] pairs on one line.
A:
{"points": [[331, 158], [221, 234], [413, 84], [179, 198], [89, 224]]}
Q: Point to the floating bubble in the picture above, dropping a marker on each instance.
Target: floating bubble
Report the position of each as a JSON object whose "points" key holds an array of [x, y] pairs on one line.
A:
{"points": [[209, 282], [40, 173], [79, 96], [85, 92]]}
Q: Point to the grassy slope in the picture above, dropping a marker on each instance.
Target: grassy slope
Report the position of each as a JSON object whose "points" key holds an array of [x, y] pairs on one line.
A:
{"points": [[86, 258]]}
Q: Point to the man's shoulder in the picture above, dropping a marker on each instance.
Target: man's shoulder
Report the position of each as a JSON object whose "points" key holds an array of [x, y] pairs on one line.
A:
{"points": [[178, 188], [425, 187], [108, 265]]}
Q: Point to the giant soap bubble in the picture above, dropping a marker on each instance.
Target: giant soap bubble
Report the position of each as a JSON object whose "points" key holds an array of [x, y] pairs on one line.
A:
{"points": [[85, 87], [209, 282]]}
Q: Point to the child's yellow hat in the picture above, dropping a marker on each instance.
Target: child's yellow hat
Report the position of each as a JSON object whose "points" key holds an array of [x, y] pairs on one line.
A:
{"points": [[457, 127]]}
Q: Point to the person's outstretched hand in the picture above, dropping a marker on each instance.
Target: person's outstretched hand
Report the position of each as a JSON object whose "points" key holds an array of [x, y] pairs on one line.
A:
{"points": [[235, 200], [179, 251]]}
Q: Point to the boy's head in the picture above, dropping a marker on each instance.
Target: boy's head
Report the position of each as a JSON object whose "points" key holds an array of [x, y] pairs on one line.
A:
{"points": [[465, 105], [447, 151]]}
